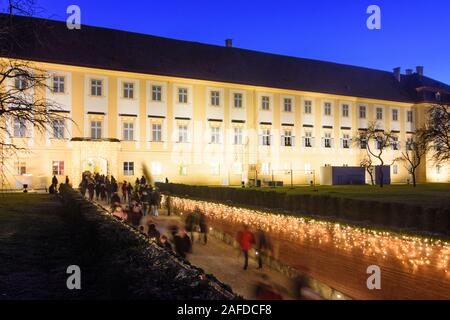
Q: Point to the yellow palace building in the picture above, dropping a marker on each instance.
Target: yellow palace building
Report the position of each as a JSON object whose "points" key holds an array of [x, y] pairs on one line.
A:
{"points": [[205, 114]]}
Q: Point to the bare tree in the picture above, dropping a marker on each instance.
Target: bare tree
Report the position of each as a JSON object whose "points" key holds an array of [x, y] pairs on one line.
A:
{"points": [[436, 132], [367, 163], [24, 106], [412, 156]]}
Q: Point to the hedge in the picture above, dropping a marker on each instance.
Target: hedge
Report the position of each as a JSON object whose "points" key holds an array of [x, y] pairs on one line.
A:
{"points": [[375, 214]]}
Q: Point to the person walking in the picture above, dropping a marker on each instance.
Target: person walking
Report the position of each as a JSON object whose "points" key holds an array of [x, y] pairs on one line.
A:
{"points": [[246, 240], [91, 190], [190, 224], [263, 246], [124, 191], [183, 244], [203, 228], [153, 233], [55, 182]]}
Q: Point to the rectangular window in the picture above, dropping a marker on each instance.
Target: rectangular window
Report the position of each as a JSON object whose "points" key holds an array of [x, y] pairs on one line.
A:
{"points": [[58, 129], [265, 141], [215, 98], [156, 132], [395, 169], [20, 83], [346, 141], [157, 93], [362, 112], [379, 142], [128, 131], [156, 168], [237, 98], [215, 135], [58, 168], [287, 139], [128, 90], [308, 106], [182, 133], [238, 136], [21, 168], [327, 140], [20, 128], [394, 115], [96, 130], [327, 109], [409, 144], [96, 88], [395, 143], [265, 103], [345, 110], [379, 113], [308, 139], [287, 105], [265, 168], [128, 168], [182, 95], [409, 116], [363, 141], [58, 84]]}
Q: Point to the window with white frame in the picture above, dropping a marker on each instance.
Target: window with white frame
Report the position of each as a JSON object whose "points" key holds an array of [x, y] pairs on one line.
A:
{"points": [[156, 168], [345, 110], [394, 115], [265, 168], [287, 139], [21, 168], [215, 135], [362, 112], [20, 128], [237, 136], [96, 129], [395, 143], [128, 90], [20, 82], [265, 103], [409, 116], [265, 137], [237, 100], [157, 93], [58, 168], [327, 108], [308, 106], [346, 141], [379, 143], [215, 98], [58, 84], [58, 128], [363, 141], [308, 168], [128, 131], [182, 95], [183, 133], [96, 87], [287, 103], [128, 168], [308, 140], [379, 113], [409, 144], [327, 141], [156, 132]]}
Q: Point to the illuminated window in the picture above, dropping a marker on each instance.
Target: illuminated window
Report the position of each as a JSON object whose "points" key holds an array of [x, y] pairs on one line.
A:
{"points": [[265, 137], [156, 168], [395, 169], [182, 95], [308, 106], [128, 131], [265, 103], [58, 168], [96, 88], [379, 113], [308, 140], [183, 133], [128, 90], [395, 115], [287, 103], [346, 141], [345, 110], [215, 98], [237, 168], [215, 169], [215, 135], [156, 93], [327, 108], [182, 170], [128, 168], [287, 139], [58, 84], [237, 98], [58, 129], [265, 168], [238, 136], [362, 112], [156, 132], [409, 116], [327, 140], [20, 128], [21, 168], [20, 83], [96, 129]]}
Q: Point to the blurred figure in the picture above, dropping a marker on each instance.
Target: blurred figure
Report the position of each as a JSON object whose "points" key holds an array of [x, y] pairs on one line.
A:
{"points": [[263, 246], [153, 233], [182, 243], [265, 291], [165, 243], [203, 228], [246, 240], [190, 224], [120, 213], [124, 191]]}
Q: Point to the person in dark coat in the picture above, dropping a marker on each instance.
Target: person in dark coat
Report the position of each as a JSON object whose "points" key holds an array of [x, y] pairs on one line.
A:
{"points": [[55, 182], [263, 246], [182, 243], [153, 233], [190, 225], [165, 243], [67, 180], [203, 228], [91, 190]]}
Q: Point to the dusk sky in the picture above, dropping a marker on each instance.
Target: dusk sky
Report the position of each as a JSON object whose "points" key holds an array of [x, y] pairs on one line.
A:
{"points": [[412, 32]]}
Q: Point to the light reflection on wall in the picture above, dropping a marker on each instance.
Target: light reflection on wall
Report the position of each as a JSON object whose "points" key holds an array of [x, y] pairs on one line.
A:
{"points": [[413, 253]]}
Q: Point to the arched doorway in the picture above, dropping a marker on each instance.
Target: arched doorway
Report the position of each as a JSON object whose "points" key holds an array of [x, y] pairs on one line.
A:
{"points": [[95, 165]]}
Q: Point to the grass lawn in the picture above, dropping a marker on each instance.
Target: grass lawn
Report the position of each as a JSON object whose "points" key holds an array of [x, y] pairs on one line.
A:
{"points": [[428, 195]]}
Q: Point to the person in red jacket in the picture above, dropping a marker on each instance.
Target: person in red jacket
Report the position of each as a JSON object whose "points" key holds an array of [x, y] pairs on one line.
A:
{"points": [[246, 240]]}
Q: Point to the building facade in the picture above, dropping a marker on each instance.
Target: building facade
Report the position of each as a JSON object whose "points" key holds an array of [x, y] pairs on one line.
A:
{"points": [[206, 131]]}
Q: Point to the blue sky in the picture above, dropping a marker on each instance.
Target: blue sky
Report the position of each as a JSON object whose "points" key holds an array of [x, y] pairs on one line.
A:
{"points": [[412, 33]]}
